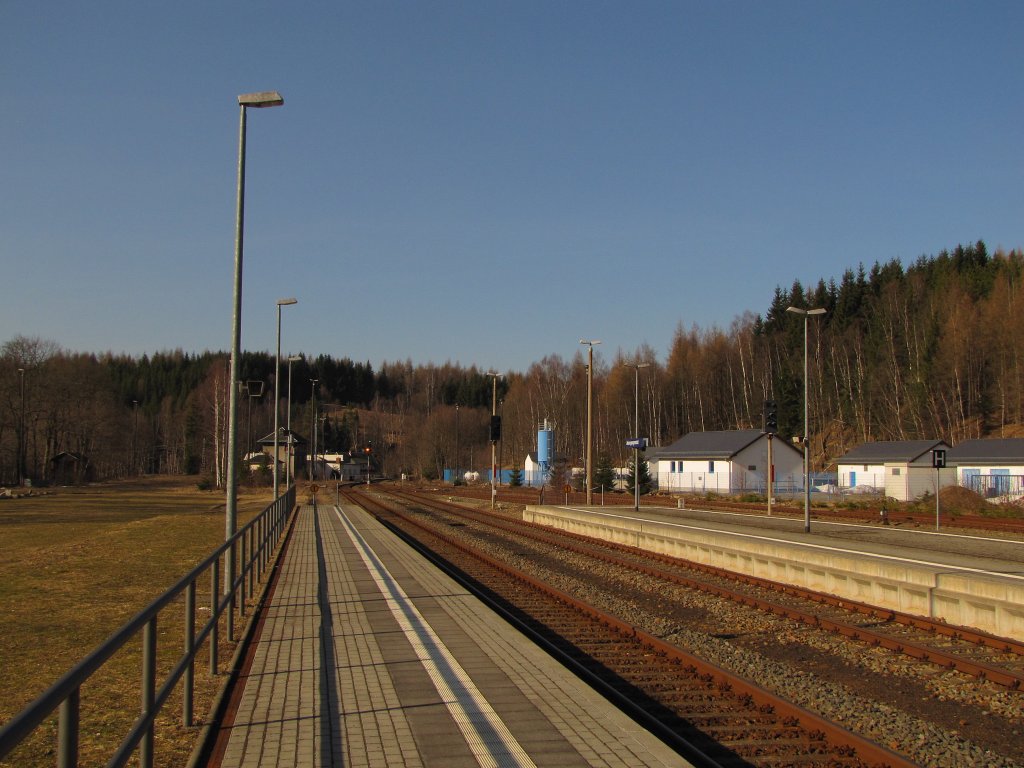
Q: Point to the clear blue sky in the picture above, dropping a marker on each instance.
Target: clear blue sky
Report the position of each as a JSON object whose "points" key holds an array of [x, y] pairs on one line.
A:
{"points": [[486, 182]]}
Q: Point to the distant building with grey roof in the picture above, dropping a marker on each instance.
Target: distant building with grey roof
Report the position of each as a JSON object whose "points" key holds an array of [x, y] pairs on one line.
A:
{"points": [[726, 461], [994, 467], [900, 469]]}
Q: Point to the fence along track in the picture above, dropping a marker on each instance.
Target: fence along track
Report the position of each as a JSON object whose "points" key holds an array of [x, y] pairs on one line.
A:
{"points": [[996, 659], [723, 715]]}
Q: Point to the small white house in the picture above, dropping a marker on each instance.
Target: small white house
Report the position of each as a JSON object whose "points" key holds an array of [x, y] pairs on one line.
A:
{"points": [[899, 469], [534, 474], [994, 468], [728, 461], [347, 467], [290, 447]]}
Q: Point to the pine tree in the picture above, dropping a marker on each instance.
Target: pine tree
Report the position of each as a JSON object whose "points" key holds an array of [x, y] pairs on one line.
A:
{"points": [[515, 478], [646, 484], [604, 473]]}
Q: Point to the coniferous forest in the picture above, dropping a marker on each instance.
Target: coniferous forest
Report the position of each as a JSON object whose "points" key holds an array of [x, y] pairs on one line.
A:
{"points": [[933, 349]]}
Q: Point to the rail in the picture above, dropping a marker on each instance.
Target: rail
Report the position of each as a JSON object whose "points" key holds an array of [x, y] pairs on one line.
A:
{"points": [[250, 550]]}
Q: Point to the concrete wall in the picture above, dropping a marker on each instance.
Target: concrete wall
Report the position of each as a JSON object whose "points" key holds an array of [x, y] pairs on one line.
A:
{"points": [[989, 603]]}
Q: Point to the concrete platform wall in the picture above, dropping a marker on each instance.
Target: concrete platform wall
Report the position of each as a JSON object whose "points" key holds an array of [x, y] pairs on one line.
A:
{"points": [[989, 603]]}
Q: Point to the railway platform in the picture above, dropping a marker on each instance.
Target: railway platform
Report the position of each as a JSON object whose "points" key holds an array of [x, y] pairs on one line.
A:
{"points": [[970, 580], [366, 655]]}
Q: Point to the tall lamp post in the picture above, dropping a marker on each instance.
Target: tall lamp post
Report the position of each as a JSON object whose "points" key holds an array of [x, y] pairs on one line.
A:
{"points": [[246, 100], [253, 388], [312, 420], [21, 433], [135, 432], [495, 433], [277, 396], [590, 404], [456, 478], [288, 424], [806, 313], [636, 435]]}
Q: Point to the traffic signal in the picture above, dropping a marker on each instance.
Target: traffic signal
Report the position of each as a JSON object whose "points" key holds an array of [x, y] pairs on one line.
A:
{"points": [[771, 417], [368, 449], [495, 429]]}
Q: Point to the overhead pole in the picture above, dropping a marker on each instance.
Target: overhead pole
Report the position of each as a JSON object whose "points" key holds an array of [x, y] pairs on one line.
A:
{"points": [[590, 407], [495, 433], [245, 101], [636, 435], [806, 313], [277, 393]]}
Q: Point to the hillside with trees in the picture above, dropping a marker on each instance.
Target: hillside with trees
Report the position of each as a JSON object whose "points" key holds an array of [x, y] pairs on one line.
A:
{"points": [[928, 350]]}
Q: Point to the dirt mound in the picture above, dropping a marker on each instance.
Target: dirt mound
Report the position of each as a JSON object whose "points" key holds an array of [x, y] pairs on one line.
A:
{"points": [[956, 498]]}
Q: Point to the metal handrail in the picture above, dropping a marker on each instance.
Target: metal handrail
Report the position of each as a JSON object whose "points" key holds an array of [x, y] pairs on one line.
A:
{"points": [[267, 527]]}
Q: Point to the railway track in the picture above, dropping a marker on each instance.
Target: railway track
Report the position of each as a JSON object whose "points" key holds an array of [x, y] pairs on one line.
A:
{"points": [[725, 719], [985, 656]]}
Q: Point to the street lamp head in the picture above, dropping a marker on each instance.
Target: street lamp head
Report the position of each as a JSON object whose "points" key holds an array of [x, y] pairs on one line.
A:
{"points": [[294, 358], [286, 302], [806, 312], [589, 343], [261, 99]]}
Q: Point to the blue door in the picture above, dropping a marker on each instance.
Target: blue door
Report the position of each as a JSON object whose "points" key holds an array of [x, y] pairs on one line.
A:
{"points": [[1000, 482]]}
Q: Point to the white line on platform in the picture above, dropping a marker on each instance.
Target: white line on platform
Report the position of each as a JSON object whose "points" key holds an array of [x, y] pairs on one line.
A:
{"points": [[841, 550], [969, 537], [488, 737]]}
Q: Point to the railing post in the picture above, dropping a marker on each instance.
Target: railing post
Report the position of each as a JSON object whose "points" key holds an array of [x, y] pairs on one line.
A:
{"points": [[242, 572], [214, 595], [148, 691], [268, 536], [67, 731], [258, 552], [188, 679], [251, 564], [229, 567]]}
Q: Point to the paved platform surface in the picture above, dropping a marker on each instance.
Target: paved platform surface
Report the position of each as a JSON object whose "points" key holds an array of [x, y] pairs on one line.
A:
{"points": [[953, 547], [370, 657]]}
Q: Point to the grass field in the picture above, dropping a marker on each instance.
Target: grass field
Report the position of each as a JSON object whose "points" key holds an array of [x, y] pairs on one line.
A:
{"points": [[76, 564]]}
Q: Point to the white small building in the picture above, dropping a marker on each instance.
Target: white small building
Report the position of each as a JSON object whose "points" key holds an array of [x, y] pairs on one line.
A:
{"points": [[728, 461], [899, 469], [347, 467], [290, 447], [534, 473], [993, 468]]}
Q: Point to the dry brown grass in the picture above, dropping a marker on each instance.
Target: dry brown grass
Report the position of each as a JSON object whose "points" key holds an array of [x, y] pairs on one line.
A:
{"points": [[76, 565]]}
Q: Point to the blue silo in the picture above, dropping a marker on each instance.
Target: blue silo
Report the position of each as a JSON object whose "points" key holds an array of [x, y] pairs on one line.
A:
{"points": [[546, 446]]}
